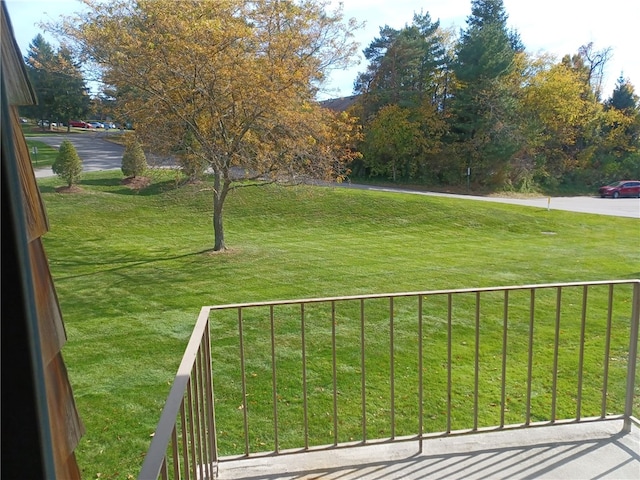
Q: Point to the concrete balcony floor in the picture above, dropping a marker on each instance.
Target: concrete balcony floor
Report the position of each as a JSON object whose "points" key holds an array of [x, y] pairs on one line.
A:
{"points": [[595, 450]]}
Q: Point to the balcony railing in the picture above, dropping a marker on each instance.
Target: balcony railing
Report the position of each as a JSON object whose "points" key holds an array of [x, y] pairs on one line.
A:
{"points": [[304, 375]]}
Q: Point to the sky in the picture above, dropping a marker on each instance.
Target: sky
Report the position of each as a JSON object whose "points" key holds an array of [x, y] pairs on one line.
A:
{"points": [[557, 27]]}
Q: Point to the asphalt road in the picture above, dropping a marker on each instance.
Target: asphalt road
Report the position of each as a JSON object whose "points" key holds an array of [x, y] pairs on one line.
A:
{"points": [[99, 154], [620, 207]]}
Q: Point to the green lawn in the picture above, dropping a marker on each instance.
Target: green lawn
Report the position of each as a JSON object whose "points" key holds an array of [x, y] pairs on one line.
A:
{"points": [[132, 270], [44, 156]]}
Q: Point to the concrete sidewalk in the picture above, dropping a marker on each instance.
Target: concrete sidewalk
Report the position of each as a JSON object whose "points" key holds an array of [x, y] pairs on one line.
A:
{"points": [[576, 451]]}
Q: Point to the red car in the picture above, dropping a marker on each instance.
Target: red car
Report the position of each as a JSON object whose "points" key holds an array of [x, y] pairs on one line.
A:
{"points": [[623, 188], [79, 124]]}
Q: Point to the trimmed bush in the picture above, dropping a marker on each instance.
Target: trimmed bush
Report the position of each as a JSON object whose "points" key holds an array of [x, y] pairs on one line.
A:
{"points": [[67, 164], [134, 162]]}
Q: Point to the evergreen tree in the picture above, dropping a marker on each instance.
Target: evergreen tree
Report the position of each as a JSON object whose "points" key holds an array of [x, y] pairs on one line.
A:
{"points": [[57, 81], [623, 97], [403, 66], [134, 162], [485, 101], [67, 164], [71, 98], [370, 83], [39, 56]]}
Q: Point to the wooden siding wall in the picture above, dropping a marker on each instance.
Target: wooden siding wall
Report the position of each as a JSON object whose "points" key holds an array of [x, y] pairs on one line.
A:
{"points": [[65, 425]]}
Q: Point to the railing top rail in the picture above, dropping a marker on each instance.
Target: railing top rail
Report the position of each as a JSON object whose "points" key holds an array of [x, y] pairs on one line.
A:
{"points": [[154, 460], [160, 442], [418, 293]]}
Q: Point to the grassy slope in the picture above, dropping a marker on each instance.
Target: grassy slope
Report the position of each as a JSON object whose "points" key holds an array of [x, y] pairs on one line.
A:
{"points": [[133, 269], [46, 155]]}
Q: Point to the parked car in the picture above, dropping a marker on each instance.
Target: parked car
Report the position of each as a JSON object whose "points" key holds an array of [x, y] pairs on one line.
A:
{"points": [[79, 124], [623, 188], [96, 124], [46, 123]]}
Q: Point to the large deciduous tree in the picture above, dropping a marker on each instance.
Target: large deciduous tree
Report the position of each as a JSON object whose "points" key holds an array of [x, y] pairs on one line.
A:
{"points": [[556, 103], [392, 143], [619, 149], [230, 82]]}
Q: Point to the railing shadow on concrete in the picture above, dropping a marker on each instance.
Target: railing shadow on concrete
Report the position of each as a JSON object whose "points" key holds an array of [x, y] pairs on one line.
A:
{"points": [[330, 373]]}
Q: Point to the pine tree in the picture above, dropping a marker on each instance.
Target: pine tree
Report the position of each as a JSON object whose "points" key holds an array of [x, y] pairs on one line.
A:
{"points": [[485, 101], [134, 162], [57, 81], [67, 164], [623, 97], [403, 66]]}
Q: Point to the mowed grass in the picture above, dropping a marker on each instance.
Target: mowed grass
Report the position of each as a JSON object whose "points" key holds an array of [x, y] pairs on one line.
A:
{"points": [[45, 155], [132, 270]]}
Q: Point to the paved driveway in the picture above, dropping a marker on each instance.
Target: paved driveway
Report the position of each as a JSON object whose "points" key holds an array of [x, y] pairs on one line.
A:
{"points": [[96, 152], [620, 207], [99, 154]]}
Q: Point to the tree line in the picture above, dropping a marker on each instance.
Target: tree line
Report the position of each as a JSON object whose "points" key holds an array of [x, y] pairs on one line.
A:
{"points": [[445, 109], [229, 87], [57, 77]]}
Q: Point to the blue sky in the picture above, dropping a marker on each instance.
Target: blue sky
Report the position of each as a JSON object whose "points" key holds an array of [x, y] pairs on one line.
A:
{"points": [[553, 26]]}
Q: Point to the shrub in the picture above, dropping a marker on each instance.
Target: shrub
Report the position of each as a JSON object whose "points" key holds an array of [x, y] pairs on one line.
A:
{"points": [[191, 164], [134, 162], [67, 164]]}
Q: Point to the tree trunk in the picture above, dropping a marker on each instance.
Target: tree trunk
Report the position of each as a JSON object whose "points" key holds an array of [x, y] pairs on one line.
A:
{"points": [[219, 194]]}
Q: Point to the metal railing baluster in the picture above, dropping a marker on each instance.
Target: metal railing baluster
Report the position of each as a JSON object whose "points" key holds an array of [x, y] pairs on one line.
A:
{"points": [[633, 355], [556, 351], [185, 440], [363, 376], [305, 405], [503, 375], [175, 454], [186, 445], [192, 441], [476, 368], [532, 309], [449, 359], [274, 377], [392, 373], [243, 381], [197, 394], [607, 352], [420, 375], [583, 326], [211, 409], [334, 373]]}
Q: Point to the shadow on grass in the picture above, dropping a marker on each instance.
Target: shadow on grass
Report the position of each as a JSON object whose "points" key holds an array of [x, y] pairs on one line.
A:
{"points": [[128, 263], [47, 189], [158, 187], [101, 182], [154, 188]]}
